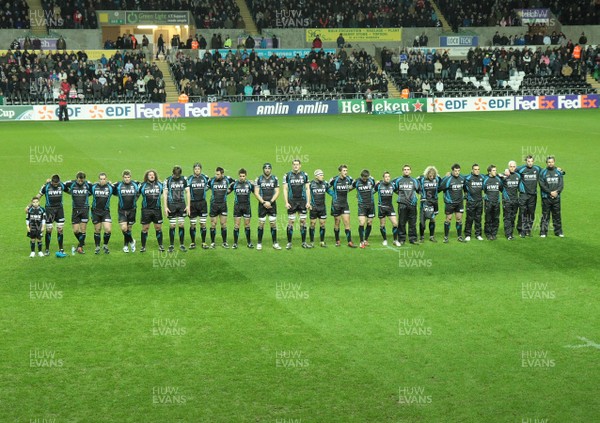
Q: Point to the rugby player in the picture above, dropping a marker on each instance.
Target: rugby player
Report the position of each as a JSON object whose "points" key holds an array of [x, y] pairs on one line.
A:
{"points": [[296, 194]]}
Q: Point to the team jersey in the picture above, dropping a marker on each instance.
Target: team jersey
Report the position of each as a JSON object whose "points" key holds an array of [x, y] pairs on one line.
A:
{"points": [[511, 187], [151, 193], [429, 189], [80, 193], [452, 187], [385, 194], [339, 188], [473, 188], [365, 191], [318, 189], [551, 180], [241, 191], [296, 183], [198, 186], [175, 190], [407, 188], [101, 196], [492, 188], [127, 194], [266, 186], [36, 218], [529, 178], [219, 189], [54, 195]]}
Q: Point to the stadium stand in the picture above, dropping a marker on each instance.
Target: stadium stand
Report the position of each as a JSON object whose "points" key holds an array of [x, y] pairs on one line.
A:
{"points": [[14, 15], [66, 14], [491, 72], [574, 12], [357, 14], [32, 78], [469, 13], [240, 75], [70, 15]]}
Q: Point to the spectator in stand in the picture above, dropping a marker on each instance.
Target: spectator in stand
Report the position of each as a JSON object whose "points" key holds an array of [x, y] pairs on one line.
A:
{"points": [[160, 46], [61, 44], [317, 43]]}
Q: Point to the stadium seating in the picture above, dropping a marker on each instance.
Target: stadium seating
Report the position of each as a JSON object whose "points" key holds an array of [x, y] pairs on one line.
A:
{"points": [[356, 14], [120, 78], [506, 74], [14, 15], [64, 14], [240, 76], [573, 12]]}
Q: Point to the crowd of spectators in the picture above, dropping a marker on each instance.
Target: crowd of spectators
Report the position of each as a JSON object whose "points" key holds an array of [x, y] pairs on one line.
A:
{"points": [[14, 15], [66, 14], [240, 74], [575, 12], [539, 37], [343, 14], [82, 13], [36, 77], [421, 71], [468, 13]]}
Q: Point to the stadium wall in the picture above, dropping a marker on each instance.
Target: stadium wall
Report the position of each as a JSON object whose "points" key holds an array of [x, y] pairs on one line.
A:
{"points": [[169, 113], [91, 39], [77, 39]]}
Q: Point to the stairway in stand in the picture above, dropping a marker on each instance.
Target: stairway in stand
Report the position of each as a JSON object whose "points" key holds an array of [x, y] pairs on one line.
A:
{"points": [[37, 18], [445, 25], [595, 84], [170, 86], [247, 17]]}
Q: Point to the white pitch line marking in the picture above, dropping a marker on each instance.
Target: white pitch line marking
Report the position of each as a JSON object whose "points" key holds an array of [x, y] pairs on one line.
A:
{"points": [[588, 343]]}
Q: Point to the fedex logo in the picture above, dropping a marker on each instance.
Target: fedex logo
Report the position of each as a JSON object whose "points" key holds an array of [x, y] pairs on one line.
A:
{"points": [[569, 102], [178, 110], [548, 102], [172, 110], [589, 101], [148, 111], [206, 110], [526, 103]]}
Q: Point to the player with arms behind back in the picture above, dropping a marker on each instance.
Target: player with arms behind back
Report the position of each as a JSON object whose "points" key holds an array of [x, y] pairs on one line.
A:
{"points": [[339, 186], [219, 188], [198, 209], [430, 185], [242, 190], [296, 194], [176, 204], [151, 191], [80, 190], [365, 193], [266, 190], [385, 207], [102, 191], [127, 192], [318, 209]]}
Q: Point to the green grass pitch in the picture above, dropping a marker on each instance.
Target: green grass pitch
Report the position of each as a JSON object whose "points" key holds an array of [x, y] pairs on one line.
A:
{"points": [[485, 331]]}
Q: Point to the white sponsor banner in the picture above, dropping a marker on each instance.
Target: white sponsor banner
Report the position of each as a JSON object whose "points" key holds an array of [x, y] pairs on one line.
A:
{"points": [[470, 104], [86, 111]]}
